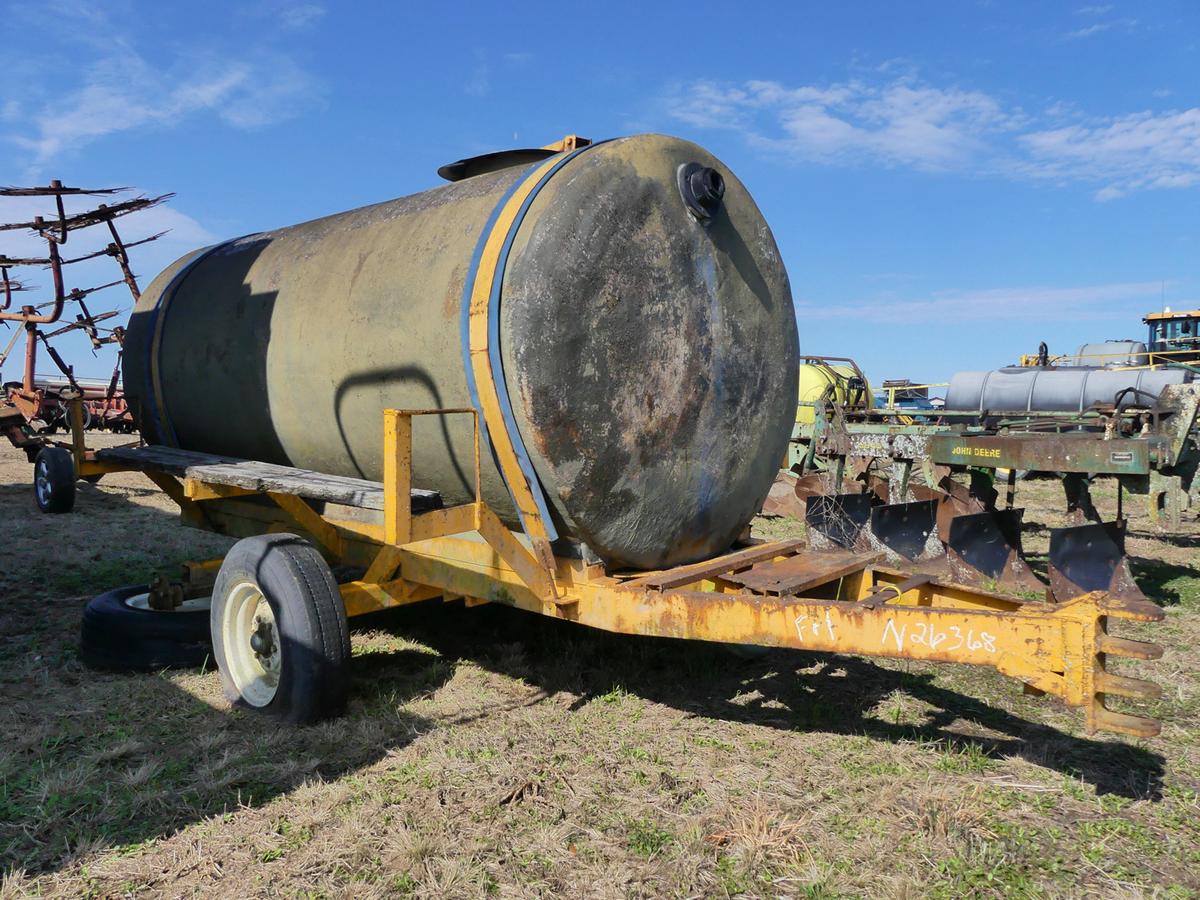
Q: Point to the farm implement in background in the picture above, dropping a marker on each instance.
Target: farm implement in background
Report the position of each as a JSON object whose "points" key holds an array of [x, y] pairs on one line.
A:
{"points": [[104, 406], [948, 532], [879, 482], [33, 406], [853, 467], [1147, 440]]}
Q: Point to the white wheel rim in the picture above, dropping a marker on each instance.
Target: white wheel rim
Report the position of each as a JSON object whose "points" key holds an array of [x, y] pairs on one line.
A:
{"points": [[41, 482], [254, 665], [195, 604]]}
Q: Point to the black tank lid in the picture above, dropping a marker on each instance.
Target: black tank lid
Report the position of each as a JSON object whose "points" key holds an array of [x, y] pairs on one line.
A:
{"points": [[493, 162]]}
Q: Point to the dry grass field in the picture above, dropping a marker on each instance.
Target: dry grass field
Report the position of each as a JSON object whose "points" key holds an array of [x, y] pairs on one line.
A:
{"points": [[487, 752]]}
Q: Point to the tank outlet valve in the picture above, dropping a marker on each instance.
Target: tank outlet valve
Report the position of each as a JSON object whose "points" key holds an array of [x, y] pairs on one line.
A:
{"points": [[702, 188]]}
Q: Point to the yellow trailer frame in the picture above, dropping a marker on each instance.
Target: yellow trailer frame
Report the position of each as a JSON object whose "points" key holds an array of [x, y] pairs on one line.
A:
{"points": [[850, 605]]}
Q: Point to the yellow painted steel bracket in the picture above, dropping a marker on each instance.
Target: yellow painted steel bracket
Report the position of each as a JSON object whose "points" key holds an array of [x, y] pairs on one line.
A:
{"points": [[482, 358], [1060, 649]]}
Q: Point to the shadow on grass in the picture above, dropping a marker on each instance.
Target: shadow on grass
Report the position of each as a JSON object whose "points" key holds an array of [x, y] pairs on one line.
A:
{"points": [[91, 760], [792, 690], [1166, 583], [22, 496], [1163, 537], [119, 760]]}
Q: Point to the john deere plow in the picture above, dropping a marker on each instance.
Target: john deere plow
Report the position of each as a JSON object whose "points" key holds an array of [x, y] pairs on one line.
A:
{"points": [[953, 543], [948, 531]]}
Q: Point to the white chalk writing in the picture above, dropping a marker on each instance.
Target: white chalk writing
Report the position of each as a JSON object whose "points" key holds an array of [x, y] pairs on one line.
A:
{"points": [[929, 636]]}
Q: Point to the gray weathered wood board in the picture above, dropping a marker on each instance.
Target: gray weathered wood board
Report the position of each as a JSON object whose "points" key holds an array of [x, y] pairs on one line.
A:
{"points": [[259, 476]]}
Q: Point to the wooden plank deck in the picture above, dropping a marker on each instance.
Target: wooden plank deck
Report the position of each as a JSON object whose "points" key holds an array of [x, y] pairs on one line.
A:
{"points": [[802, 571], [258, 476], [711, 568]]}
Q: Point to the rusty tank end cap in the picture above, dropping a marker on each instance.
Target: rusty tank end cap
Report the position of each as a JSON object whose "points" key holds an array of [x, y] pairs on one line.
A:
{"points": [[701, 188], [493, 162]]}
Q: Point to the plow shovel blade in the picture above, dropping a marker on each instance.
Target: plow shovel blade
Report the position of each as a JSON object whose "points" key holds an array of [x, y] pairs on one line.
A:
{"points": [[989, 544], [783, 500], [908, 530], [836, 519], [1091, 557], [789, 492]]}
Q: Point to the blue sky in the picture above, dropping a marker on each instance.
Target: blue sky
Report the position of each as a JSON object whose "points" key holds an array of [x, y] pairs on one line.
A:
{"points": [[949, 182]]}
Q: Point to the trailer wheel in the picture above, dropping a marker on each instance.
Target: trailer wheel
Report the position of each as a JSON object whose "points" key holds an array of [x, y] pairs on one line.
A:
{"points": [[54, 480], [279, 630], [121, 633]]}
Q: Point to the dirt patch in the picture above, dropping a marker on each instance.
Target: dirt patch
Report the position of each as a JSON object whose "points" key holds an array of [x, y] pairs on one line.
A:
{"points": [[490, 752]]}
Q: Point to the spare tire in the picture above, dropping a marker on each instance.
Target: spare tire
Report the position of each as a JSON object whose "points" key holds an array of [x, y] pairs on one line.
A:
{"points": [[121, 633]]}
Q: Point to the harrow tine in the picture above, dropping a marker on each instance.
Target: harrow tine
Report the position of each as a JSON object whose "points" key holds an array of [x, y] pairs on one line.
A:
{"points": [[907, 530], [1106, 683], [836, 519], [1124, 686], [1117, 646], [1104, 719], [1085, 558]]}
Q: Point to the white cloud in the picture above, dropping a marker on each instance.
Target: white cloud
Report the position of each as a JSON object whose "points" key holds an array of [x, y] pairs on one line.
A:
{"points": [[295, 16], [905, 122], [901, 122], [1129, 153], [122, 90], [480, 82], [124, 93], [1032, 304], [1089, 30], [1100, 27]]}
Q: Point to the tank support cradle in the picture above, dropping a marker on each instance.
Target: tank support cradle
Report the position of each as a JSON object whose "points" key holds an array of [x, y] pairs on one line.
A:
{"points": [[780, 594]]}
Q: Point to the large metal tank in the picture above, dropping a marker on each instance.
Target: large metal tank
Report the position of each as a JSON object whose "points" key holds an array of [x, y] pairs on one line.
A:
{"points": [[645, 323], [1070, 389], [1111, 353], [818, 377]]}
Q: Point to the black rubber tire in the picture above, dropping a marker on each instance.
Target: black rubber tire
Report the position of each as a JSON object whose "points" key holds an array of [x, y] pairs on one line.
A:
{"points": [[54, 480], [310, 617], [116, 637]]}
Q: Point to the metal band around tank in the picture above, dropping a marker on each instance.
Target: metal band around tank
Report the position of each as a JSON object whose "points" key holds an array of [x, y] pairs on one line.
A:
{"points": [[482, 353]]}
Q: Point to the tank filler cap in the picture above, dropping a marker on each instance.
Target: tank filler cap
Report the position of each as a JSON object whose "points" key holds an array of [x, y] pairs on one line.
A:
{"points": [[702, 188]]}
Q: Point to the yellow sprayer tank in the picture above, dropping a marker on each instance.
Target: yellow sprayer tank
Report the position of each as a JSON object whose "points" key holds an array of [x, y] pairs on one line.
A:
{"points": [[844, 380]]}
